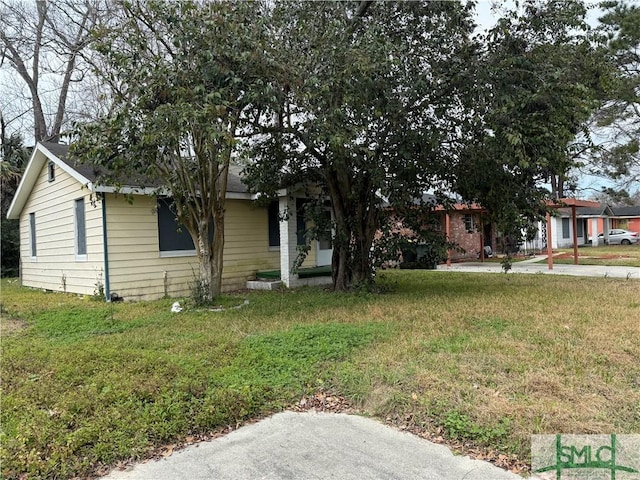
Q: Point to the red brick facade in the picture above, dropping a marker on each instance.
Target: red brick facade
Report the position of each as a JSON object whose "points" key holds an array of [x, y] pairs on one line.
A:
{"points": [[466, 231]]}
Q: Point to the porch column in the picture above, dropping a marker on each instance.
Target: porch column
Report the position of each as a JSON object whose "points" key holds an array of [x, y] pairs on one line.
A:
{"points": [[594, 232], [288, 240], [447, 230]]}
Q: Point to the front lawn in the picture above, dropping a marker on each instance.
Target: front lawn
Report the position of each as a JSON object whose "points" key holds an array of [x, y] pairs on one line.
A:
{"points": [[614, 255], [483, 361]]}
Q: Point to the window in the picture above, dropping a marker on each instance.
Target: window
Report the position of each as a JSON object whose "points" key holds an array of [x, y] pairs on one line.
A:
{"points": [[301, 224], [32, 231], [565, 228], [81, 230], [580, 228], [51, 170], [468, 222], [174, 238], [274, 224]]}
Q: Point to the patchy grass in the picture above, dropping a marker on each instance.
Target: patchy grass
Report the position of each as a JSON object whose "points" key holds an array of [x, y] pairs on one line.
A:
{"points": [[614, 255], [484, 360]]}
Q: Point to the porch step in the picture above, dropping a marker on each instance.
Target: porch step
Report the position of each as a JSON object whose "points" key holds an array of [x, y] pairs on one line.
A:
{"points": [[310, 272], [264, 284]]}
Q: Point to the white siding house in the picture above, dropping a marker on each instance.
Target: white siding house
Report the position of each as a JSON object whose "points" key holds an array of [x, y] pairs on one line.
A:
{"points": [[80, 237]]}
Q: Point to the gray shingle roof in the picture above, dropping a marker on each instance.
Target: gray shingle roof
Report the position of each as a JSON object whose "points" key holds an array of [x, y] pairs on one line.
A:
{"points": [[91, 172], [633, 211]]}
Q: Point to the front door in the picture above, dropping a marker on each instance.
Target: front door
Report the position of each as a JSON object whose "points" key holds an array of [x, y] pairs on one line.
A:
{"points": [[324, 245]]}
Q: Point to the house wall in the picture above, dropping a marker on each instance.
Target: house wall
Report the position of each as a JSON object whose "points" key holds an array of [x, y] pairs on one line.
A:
{"points": [[471, 243], [137, 271], [56, 266], [631, 224]]}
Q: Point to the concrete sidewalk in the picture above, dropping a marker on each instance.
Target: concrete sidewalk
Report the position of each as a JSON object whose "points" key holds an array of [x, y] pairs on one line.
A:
{"points": [[314, 445], [533, 266]]}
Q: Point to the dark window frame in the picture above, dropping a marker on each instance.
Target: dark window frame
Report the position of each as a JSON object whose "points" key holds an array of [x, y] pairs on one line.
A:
{"points": [[469, 224], [51, 171], [81, 228], [174, 240], [32, 235], [301, 222], [566, 228], [273, 216]]}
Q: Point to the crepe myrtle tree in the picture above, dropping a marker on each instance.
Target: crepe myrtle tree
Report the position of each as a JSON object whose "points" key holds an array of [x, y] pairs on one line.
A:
{"points": [[370, 109], [182, 76]]}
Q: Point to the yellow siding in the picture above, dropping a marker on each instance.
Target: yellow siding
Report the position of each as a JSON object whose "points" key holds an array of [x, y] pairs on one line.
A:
{"points": [[56, 266], [137, 271]]}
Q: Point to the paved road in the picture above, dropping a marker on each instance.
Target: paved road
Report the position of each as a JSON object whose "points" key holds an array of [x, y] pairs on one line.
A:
{"points": [[310, 446], [532, 266]]}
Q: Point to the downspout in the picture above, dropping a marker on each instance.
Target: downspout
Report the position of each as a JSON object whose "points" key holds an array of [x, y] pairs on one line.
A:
{"points": [[105, 243]]}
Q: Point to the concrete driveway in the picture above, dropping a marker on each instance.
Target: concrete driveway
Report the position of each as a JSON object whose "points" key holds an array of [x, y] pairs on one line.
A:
{"points": [[533, 266], [312, 445]]}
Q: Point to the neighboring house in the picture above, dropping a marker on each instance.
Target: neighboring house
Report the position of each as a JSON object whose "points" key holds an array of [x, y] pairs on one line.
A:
{"points": [[586, 217], [626, 218], [80, 237], [464, 225], [592, 218], [467, 227]]}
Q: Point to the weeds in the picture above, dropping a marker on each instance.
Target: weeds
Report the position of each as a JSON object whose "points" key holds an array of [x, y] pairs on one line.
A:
{"points": [[480, 360]]}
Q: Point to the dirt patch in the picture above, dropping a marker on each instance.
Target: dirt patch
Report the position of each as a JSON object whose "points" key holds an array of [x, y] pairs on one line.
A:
{"points": [[594, 257], [10, 326]]}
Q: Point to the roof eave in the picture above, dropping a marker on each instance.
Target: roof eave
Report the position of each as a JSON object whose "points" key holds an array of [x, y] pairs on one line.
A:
{"points": [[39, 157]]}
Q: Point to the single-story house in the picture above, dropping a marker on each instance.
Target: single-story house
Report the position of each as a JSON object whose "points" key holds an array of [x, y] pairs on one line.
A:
{"points": [[626, 218], [592, 219], [562, 227], [467, 227], [464, 225], [81, 237]]}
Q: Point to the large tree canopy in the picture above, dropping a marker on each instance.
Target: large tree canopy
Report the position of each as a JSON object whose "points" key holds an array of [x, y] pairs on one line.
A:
{"points": [[372, 107], [620, 116], [183, 76], [540, 80]]}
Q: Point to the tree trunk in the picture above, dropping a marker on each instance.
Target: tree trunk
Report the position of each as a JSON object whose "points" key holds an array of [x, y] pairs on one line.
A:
{"points": [[215, 285]]}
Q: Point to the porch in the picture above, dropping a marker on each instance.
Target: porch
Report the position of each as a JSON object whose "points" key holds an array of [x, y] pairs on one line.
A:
{"points": [[272, 280]]}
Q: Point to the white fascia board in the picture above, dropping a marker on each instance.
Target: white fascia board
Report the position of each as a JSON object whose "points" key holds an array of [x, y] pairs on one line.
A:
{"points": [[64, 167], [132, 190], [129, 190], [237, 196]]}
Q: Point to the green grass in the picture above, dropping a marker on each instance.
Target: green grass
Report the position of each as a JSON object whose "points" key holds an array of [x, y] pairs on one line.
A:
{"points": [[612, 255], [484, 360]]}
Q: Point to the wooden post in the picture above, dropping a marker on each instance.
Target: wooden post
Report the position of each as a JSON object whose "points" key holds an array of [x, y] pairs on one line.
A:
{"points": [[549, 240], [482, 244], [574, 220]]}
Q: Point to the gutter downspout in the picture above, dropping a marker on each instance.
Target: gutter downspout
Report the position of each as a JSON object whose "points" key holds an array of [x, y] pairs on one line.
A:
{"points": [[107, 291]]}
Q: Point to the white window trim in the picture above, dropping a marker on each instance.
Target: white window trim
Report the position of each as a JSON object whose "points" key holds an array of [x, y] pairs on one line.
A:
{"points": [[273, 248], [177, 253]]}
